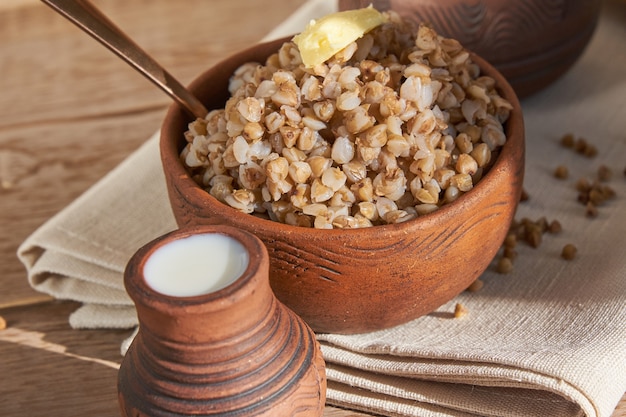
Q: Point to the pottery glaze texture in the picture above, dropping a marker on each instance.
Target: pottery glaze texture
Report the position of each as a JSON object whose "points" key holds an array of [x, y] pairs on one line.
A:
{"points": [[359, 280], [531, 42], [234, 352]]}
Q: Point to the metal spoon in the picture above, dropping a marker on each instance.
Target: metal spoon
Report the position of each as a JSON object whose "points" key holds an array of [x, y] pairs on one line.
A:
{"points": [[93, 22]]}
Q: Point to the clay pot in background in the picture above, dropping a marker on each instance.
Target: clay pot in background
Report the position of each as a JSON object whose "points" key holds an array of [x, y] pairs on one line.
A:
{"points": [[237, 351], [531, 42]]}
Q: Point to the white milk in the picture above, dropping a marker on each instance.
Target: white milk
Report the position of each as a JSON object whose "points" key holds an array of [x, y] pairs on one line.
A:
{"points": [[195, 265]]}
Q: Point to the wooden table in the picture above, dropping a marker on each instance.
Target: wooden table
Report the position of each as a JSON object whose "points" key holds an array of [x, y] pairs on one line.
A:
{"points": [[70, 112]]}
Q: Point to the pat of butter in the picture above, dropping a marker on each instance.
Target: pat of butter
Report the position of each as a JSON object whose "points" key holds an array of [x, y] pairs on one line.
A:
{"points": [[324, 37]]}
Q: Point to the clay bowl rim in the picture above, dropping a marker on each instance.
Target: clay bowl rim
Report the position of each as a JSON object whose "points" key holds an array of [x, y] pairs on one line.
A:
{"points": [[514, 147]]}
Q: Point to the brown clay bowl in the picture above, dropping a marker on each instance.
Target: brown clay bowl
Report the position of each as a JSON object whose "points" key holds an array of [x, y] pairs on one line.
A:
{"points": [[359, 280], [531, 42]]}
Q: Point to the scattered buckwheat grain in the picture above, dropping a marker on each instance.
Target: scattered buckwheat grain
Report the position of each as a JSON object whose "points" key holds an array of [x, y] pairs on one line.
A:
{"points": [[555, 227], [568, 140], [580, 145], [591, 210], [505, 265], [460, 311], [561, 172], [569, 252], [583, 147], [604, 173]]}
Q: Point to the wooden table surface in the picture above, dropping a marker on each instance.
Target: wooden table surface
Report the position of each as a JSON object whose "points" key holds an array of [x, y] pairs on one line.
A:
{"points": [[70, 111]]}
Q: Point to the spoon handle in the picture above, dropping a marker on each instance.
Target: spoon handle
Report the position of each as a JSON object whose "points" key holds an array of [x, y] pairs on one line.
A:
{"points": [[93, 22]]}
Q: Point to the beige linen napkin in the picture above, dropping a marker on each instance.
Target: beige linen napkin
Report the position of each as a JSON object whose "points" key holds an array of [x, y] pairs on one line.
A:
{"points": [[548, 339]]}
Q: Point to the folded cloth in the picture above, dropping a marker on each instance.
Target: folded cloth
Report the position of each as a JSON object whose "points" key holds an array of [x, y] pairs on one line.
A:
{"points": [[547, 339]]}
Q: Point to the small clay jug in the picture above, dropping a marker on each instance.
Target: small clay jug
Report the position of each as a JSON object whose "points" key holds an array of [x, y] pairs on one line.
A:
{"points": [[236, 351]]}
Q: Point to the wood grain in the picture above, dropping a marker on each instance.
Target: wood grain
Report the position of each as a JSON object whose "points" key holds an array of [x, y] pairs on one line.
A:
{"points": [[70, 111], [46, 383]]}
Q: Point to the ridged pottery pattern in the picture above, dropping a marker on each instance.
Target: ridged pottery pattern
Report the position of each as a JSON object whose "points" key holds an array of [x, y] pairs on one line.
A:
{"points": [[234, 352]]}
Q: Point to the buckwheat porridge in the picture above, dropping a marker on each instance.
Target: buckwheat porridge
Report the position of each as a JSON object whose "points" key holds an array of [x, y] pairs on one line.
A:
{"points": [[391, 127]]}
